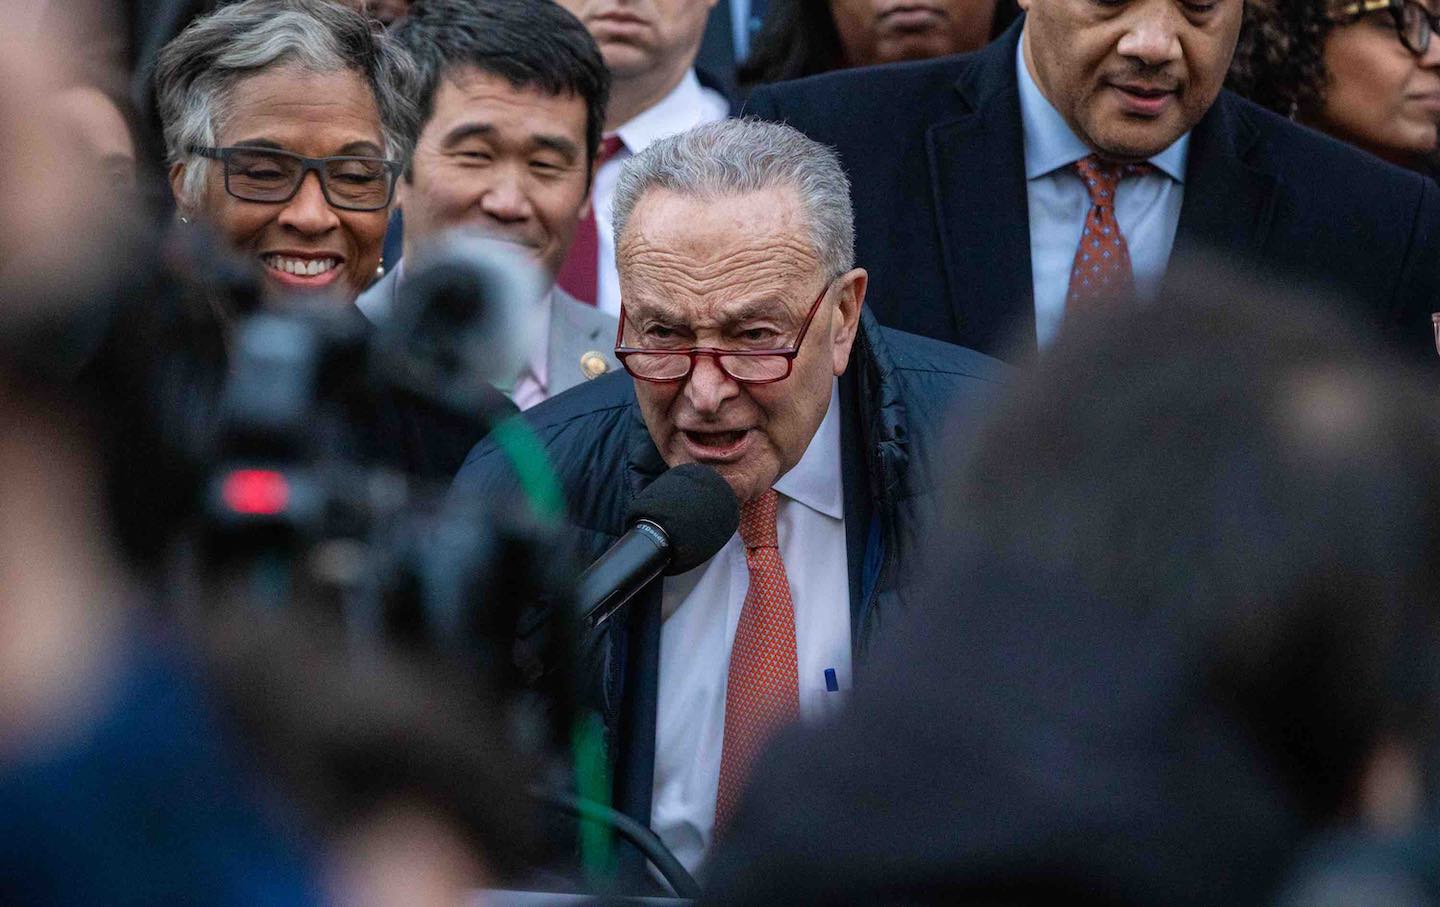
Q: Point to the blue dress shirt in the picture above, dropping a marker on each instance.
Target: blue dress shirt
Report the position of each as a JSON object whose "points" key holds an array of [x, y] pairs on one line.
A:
{"points": [[1147, 207], [746, 17]]}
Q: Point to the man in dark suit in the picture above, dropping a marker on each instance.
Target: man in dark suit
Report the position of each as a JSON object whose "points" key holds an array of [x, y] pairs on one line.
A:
{"points": [[735, 237], [971, 203]]}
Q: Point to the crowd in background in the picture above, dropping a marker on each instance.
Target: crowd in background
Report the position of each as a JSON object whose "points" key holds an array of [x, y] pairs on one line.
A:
{"points": [[1103, 574]]}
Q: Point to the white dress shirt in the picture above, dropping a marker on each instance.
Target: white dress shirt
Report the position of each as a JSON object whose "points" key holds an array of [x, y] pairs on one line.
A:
{"points": [[1146, 207], [687, 106], [701, 610]]}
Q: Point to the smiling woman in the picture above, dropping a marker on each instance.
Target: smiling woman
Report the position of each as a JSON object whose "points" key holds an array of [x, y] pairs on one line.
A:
{"points": [[286, 122], [1367, 72]]}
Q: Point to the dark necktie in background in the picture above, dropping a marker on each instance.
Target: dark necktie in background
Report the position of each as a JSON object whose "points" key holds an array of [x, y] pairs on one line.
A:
{"points": [[579, 275]]}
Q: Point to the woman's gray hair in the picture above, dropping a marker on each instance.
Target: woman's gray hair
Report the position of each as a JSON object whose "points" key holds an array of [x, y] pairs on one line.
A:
{"points": [[198, 71], [734, 157]]}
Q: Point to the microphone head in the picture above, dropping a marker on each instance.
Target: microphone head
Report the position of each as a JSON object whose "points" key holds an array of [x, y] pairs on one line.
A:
{"points": [[695, 507]]}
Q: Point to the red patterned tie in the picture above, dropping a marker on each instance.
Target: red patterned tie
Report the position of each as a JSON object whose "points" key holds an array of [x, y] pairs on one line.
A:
{"points": [[578, 274], [762, 692], [1102, 262]]}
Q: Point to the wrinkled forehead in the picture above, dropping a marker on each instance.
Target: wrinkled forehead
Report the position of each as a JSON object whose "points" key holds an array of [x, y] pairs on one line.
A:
{"points": [[707, 256]]}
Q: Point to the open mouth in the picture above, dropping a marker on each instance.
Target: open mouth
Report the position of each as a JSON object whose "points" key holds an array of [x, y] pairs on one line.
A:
{"points": [[715, 445]]}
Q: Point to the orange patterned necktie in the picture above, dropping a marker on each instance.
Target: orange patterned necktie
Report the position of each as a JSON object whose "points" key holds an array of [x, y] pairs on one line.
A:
{"points": [[1102, 268], [762, 691]]}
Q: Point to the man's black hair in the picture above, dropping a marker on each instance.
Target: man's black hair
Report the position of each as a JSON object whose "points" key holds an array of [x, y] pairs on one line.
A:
{"points": [[532, 43]]}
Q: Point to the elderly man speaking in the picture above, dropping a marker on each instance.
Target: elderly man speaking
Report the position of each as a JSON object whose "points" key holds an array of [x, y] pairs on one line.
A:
{"points": [[748, 349]]}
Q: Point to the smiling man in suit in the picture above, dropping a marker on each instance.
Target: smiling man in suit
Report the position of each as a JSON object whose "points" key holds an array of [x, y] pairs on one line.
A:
{"points": [[513, 101], [1073, 159]]}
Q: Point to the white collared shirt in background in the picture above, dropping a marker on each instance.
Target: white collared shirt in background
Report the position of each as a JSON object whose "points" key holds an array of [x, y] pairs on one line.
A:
{"points": [[689, 105], [701, 610], [1146, 207]]}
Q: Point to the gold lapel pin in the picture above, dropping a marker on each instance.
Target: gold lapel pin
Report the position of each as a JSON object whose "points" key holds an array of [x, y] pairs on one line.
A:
{"points": [[593, 365]]}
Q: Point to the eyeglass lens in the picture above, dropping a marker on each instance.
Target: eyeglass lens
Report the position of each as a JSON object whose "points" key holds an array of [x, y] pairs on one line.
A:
{"points": [[263, 176], [1415, 28], [672, 366]]}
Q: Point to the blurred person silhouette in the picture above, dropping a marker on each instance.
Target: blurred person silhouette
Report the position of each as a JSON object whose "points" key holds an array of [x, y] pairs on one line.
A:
{"points": [[1366, 72], [142, 761], [117, 783], [401, 767], [806, 37], [114, 44], [1183, 623]]}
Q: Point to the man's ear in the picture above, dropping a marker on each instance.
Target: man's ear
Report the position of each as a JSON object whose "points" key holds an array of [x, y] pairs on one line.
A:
{"points": [[402, 189], [845, 319], [177, 184]]}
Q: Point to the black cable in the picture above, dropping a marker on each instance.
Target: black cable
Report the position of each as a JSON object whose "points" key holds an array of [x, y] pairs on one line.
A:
{"points": [[645, 840]]}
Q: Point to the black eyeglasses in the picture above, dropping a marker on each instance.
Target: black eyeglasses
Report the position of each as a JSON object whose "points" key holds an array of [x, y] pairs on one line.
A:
{"points": [[745, 366], [1412, 20], [270, 175]]}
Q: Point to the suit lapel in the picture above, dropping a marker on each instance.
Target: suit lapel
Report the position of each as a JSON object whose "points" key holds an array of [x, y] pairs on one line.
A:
{"points": [[576, 330], [1229, 203], [977, 174]]}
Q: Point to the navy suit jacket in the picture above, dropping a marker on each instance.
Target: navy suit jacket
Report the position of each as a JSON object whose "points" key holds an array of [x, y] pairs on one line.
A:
{"points": [[935, 152]]}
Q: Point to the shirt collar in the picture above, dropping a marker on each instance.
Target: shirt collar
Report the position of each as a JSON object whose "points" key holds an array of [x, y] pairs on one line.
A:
{"points": [[678, 111], [1050, 144], [815, 480]]}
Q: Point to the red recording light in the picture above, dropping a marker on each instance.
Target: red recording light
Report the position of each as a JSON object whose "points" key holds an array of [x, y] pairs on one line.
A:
{"points": [[255, 492]]}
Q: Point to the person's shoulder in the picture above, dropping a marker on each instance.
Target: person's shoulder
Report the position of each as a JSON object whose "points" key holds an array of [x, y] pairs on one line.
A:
{"points": [[571, 426], [1312, 158], [852, 90], [915, 354], [376, 300], [582, 315]]}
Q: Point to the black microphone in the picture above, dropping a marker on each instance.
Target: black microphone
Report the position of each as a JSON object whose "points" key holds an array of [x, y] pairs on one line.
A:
{"points": [[676, 524]]}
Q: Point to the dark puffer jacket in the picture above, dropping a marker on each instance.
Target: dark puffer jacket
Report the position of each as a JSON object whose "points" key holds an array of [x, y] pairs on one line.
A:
{"points": [[897, 398]]}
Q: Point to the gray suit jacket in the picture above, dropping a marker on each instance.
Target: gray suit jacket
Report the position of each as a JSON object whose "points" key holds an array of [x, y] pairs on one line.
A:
{"points": [[582, 338]]}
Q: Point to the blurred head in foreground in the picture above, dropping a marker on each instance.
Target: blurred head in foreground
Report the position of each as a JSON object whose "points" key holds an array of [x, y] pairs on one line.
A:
{"points": [[286, 124], [398, 765], [1186, 617]]}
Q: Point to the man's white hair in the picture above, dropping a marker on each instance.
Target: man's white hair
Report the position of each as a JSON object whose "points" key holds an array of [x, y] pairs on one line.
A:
{"points": [[738, 157]]}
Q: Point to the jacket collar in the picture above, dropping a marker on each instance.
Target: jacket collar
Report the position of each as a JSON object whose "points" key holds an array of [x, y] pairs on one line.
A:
{"points": [[977, 172], [1229, 193]]}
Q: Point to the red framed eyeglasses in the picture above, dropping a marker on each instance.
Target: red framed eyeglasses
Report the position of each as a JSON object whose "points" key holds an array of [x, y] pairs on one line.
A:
{"points": [[744, 366]]}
